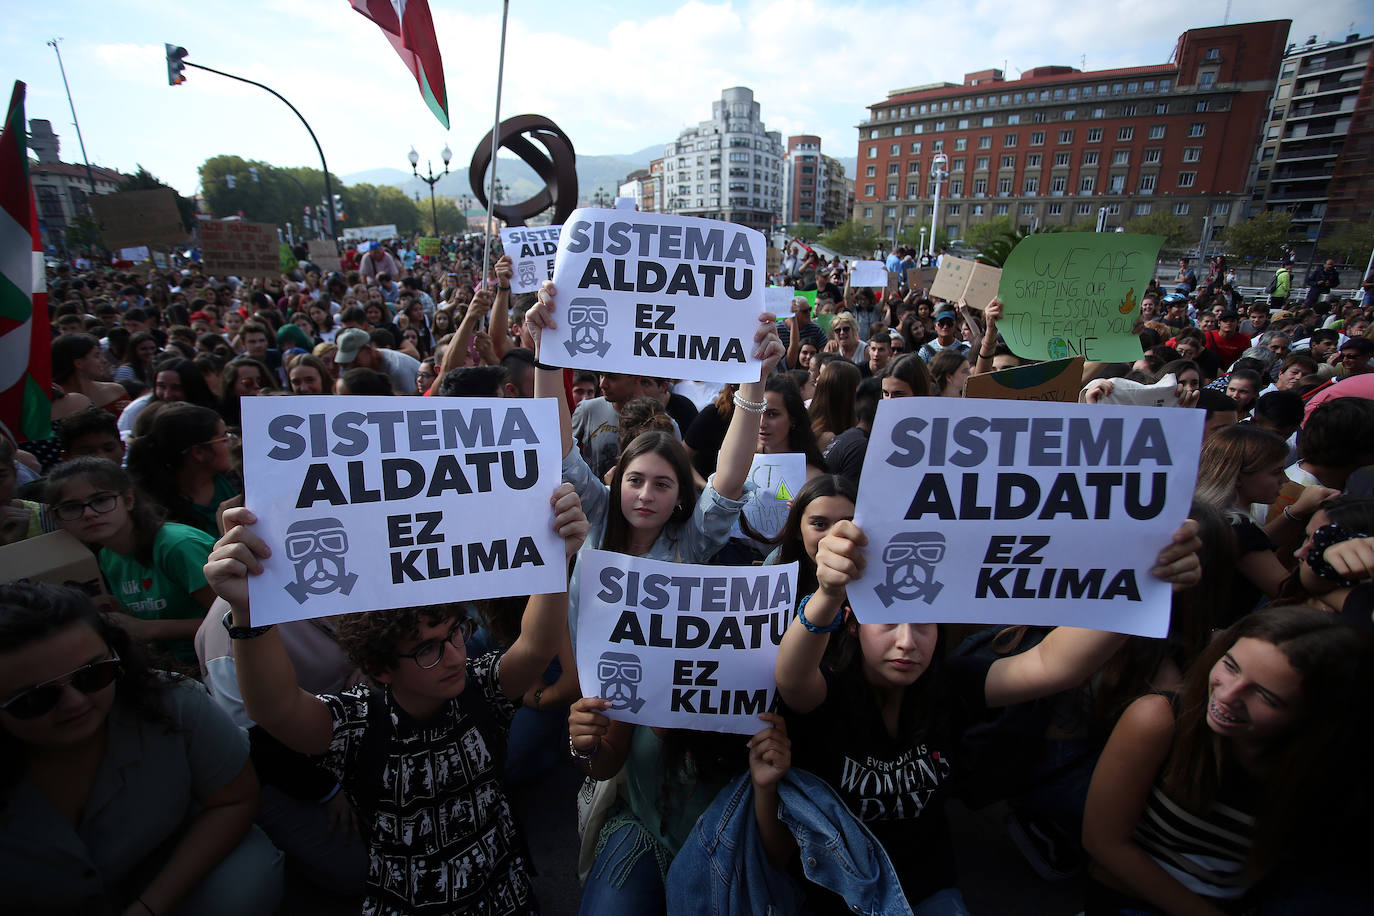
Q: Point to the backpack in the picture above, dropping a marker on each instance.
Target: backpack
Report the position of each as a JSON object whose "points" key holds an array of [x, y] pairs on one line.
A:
{"points": [[1273, 285]]}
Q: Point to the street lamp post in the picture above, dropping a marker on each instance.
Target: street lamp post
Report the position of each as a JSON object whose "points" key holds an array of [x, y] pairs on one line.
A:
{"points": [[937, 172], [923, 239], [599, 198], [432, 180]]}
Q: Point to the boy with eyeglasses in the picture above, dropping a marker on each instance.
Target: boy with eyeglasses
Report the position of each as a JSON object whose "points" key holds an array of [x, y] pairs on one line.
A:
{"points": [[421, 757]]}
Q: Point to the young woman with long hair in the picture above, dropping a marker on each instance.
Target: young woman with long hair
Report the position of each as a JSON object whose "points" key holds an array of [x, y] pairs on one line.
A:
{"points": [[785, 425], [906, 377], [832, 407], [123, 789], [242, 378], [185, 462], [949, 372], [1200, 795], [79, 366], [154, 568]]}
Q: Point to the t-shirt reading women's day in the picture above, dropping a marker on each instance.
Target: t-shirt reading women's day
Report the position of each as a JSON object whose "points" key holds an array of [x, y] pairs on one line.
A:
{"points": [[163, 592], [370, 505], [654, 294]]}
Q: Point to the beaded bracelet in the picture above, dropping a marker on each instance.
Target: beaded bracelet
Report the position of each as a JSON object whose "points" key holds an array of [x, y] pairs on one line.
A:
{"points": [[750, 406], [830, 627], [578, 755]]}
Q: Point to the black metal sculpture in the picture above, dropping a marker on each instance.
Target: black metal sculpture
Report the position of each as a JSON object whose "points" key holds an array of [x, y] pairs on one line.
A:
{"points": [[555, 163]]}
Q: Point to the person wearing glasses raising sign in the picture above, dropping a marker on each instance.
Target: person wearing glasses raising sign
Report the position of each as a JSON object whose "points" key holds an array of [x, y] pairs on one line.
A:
{"points": [[124, 789], [153, 567]]}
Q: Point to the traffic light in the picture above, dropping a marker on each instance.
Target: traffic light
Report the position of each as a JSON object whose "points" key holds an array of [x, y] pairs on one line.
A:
{"points": [[338, 207], [231, 181], [176, 67]]}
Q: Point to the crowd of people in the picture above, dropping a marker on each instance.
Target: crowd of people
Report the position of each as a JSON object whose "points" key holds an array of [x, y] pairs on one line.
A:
{"points": [[165, 754]]}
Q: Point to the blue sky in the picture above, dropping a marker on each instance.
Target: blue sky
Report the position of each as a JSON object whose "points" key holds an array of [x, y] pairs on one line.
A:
{"points": [[616, 77]]}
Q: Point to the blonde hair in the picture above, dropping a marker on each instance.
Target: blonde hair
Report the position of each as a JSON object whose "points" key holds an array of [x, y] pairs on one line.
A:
{"points": [[1231, 452]]}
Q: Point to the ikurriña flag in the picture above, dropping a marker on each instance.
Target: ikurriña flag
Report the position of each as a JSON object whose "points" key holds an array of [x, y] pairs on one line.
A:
{"points": [[409, 28], [25, 353]]}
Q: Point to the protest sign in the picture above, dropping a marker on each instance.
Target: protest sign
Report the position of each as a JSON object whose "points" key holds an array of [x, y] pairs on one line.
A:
{"points": [[135, 254], [920, 277], [1163, 393], [868, 274], [427, 246], [778, 477], [1022, 513], [357, 233], [655, 294], [371, 504], [233, 248], [128, 219], [324, 254], [531, 250], [774, 261], [1076, 294], [958, 278], [1058, 380], [778, 300], [56, 558], [678, 645]]}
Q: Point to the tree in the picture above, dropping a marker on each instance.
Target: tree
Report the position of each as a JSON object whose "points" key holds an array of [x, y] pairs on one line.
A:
{"points": [[911, 237], [143, 180], [807, 232], [853, 239], [1177, 232], [979, 235], [1261, 236], [83, 232], [264, 192], [1350, 243]]}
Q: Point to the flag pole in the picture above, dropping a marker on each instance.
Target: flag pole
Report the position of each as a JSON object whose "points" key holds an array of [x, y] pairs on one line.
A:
{"points": [[495, 131]]}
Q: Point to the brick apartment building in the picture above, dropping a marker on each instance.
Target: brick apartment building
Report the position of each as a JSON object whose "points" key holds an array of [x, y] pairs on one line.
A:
{"points": [[815, 187], [1057, 144]]}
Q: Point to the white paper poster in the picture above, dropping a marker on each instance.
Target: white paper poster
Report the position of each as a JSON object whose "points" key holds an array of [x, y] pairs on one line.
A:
{"points": [[868, 273], [1022, 512], [777, 477], [370, 503], [678, 645], [654, 294], [531, 250]]}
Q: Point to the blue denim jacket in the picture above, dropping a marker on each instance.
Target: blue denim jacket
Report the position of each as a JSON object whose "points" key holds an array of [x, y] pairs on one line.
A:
{"points": [[723, 869]]}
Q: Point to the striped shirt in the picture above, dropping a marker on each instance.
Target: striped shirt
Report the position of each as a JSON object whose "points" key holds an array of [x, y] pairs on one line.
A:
{"points": [[1206, 854]]}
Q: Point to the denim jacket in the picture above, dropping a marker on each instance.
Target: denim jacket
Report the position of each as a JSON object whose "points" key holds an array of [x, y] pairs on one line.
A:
{"points": [[723, 869]]}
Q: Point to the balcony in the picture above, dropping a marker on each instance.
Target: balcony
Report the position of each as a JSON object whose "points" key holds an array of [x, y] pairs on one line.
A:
{"points": [[1325, 151], [1346, 104]]}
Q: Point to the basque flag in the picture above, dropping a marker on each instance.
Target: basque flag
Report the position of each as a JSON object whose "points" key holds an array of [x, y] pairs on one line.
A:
{"points": [[409, 28], [25, 351]]}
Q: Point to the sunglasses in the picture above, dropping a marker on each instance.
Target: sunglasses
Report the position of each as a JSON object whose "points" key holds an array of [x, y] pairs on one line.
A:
{"points": [[43, 698]]}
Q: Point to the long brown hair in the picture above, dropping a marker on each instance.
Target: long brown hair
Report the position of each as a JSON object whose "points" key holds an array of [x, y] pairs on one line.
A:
{"points": [[832, 408], [665, 446]]}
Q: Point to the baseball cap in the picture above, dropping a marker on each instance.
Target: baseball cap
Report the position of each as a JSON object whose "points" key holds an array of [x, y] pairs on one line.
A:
{"points": [[945, 314], [1229, 315], [1175, 297], [349, 343]]}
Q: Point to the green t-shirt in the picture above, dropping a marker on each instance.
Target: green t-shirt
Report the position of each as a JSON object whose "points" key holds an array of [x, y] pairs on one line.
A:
{"points": [[164, 591], [224, 489]]}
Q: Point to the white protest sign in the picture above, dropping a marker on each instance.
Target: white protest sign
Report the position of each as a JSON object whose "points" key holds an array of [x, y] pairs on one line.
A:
{"points": [[654, 294], [387, 231], [1022, 512], [778, 477], [531, 250], [137, 253], [868, 273], [1163, 393], [778, 300], [677, 645], [370, 504]]}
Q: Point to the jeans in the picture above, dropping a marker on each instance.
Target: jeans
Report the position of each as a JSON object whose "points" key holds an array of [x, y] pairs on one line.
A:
{"points": [[948, 902], [640, 891]]}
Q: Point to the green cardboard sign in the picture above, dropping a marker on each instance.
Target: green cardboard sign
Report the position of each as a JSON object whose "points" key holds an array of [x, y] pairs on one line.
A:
{"points": [[427, 246], [1076, 294]]}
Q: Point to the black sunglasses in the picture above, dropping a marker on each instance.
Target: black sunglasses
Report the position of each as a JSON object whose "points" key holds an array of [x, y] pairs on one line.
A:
{"points": [[43, 698]]}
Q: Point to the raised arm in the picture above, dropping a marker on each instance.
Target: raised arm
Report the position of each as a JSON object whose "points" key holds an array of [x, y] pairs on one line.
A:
{"points": [[741, 438], [267, 680], [544, 627], [987, 342], [457, 350], [500, 310], [548, 382]]}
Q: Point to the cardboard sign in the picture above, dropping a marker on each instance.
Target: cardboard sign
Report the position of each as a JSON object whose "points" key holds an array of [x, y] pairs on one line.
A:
{"points": [[1077, 294], [324, 254], [679, 645], [137, 254], [128, 219], [871, 274], [427, 246], [371, 504], [1024, 513], [921, 277], [385, 231], [654, 294], [56, 558], [1059, 381], [532, 250], [774, 261], [238, 249], [958, 278], [777, 478]]}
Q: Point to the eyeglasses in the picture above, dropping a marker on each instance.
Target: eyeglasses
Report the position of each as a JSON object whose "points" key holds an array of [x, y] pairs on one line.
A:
{"points": [[842, 329], [100, 503], [431, 652], [43, 698]]}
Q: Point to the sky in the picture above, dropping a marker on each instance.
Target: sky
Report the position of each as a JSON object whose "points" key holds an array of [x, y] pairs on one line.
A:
{"points": [[617, 77]]}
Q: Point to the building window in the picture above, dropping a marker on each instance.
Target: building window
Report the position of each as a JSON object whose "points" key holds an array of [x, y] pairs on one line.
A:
{"points": [[956, 188], [939, 126], [1094, 135], [897, 131], [961, 124], [1008, 140], [1082, 209], [1008, 162], [1061, 159], [1157, 132], [1192, 154], [895, 150], [872, 153], [1086, 184], [1128, 111], [1152, 155], [953, 209], [1117, 184], [1181, 209], [1066, 136], [1013, 118], [1069, 114], [977, 209], [1125, 133], [1059, 184], [1187, 179], [1099, 112], [1213, 54], [1031, 186], [868, 211], [981, 163], [871, 171], [1037, 138], [957, 165], [893, 167], [980, 186], [1121, 157], [1161, 108], [1113, 209], [869, 190], [890, 212], [1004, 186], [1090, 157], [892, 190], [1147, 184], [987, 119], [913, 166], [1205, 80], [1221, 208], [916, 147], [960, 143], [1056, 210], [1197, 129], [1033, 161], [1038, 117], [985, 142], [1201, 105], [938, 146], [1000, 209]]}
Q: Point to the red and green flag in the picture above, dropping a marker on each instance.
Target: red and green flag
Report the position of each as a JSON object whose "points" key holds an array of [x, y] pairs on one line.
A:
{"points": [[25, 354], [409, 28]]}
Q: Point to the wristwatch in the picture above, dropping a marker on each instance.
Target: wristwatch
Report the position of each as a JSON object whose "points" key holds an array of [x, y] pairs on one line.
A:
{"points": [[243, 632]]}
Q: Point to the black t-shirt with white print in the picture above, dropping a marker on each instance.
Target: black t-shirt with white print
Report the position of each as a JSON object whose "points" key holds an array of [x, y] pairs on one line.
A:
{"points": [[443, 837]]}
